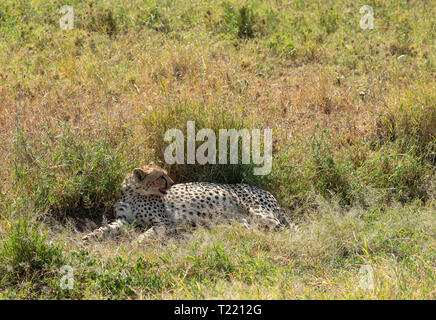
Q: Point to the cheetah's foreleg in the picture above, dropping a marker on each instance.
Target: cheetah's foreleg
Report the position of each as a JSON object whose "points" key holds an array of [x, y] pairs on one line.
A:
{"points": [[113, 228]]}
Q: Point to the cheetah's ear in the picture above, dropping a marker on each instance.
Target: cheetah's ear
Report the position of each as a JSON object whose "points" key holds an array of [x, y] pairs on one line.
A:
{"points": [[152, 163], [139, 174]]}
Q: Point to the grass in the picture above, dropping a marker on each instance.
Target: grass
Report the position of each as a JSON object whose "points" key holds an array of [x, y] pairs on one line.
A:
{"points": [[353, 114]]}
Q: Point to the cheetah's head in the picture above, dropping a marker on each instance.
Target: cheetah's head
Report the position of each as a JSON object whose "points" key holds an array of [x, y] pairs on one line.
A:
{"points": [[150, 180]]}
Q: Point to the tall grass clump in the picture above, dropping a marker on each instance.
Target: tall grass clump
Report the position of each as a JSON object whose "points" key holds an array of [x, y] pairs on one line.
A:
{"points": [[396, 176], [240, 21], [70, 174], [153, 18], [406, 141], [217, 115], [27, 255], [330, 176], [410, 120]]}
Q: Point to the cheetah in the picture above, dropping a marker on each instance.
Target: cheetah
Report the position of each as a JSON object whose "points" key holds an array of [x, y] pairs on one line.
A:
{"points": [[150, 200]]}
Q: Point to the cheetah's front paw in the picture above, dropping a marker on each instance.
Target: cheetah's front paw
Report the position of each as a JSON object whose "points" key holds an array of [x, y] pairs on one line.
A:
{"points": [[87, 238], [91, 236]]}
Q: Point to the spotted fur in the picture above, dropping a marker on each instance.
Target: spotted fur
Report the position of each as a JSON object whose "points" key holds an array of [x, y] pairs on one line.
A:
{"points": [[185, 204]]}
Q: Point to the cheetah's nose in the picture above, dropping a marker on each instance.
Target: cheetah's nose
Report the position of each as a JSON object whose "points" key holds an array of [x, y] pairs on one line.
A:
{"points": [[170, 182]]}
